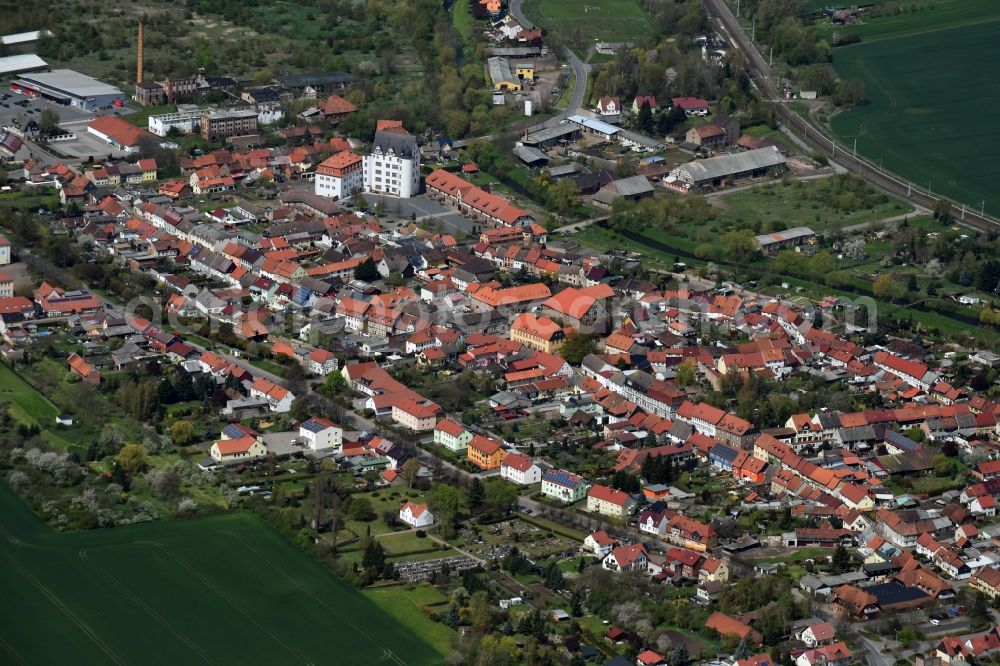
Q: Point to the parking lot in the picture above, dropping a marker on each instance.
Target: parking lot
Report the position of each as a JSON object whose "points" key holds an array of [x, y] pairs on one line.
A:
{"points": [[423, 208], [9, 109], [71, 118], [84, 145]]}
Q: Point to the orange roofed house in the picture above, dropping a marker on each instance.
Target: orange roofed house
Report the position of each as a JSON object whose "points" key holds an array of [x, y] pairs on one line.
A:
{"points": [[484, 452], [411, 410], [84, 370], [340, 176], [247, 447], [55, 302], [582, 309], [539, 333], [730, 626], [609, 502], [515, 299]]}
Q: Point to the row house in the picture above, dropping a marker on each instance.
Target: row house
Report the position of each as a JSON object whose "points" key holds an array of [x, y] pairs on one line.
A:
{"points": [[474, 202]]}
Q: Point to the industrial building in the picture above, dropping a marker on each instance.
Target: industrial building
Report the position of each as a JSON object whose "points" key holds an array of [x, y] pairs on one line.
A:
{"points": [[312, 85], [64, 86], [716, 171], [185, 120], [18, 64], [226, 123], [21, 42]]}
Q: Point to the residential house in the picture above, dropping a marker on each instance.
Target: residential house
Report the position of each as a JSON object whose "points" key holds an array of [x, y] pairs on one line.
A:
{"points": [[563, 486], [632, 557], [484, 452], [413, 411], [730, 626], [599, 543], [319, 433], [520, 469], [279, 399], [582, 309], [534, 332], [610, 502], [237, 449], [451, 435], [416, 515]]}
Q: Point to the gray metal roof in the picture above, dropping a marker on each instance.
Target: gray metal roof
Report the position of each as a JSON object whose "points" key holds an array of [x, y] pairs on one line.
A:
{"points": [[787, 234], [403, 144], [74, 83], [550, 133], [726, 165], [21, 37], [514, 52], [527, 154], [564, 170], [640, 139], [632, 186], [501, 72], [20, 63]]}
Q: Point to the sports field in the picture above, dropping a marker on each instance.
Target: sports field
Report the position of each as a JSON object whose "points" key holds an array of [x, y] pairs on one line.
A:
{"points": [[220, 590], [591, 21], [934, 104]]}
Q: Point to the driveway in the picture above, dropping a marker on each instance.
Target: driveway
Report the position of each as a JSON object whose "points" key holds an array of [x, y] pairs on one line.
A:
{"points": [[581, 72]]}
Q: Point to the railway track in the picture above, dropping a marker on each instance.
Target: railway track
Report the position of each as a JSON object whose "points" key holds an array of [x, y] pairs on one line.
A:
{"points": [[762, 76]]}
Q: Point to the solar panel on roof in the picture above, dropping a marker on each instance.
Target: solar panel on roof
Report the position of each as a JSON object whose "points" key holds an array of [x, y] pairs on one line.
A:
{"points": [[562, 478]]}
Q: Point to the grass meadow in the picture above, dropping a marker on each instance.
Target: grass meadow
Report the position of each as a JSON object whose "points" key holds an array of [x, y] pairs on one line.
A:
{"points": [[591, 20]]}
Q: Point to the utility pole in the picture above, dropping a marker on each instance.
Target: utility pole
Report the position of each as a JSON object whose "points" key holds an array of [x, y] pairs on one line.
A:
{"points": [[855, 152], [963, 211], [909, 189], [737, 8], [982, 207], [770, 57], [834, 144], [753, 30]]}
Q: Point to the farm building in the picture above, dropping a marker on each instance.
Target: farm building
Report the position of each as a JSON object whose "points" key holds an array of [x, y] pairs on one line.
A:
{"points": [[787, 238], [550, 136], [715, 171], [596, 127], [532, 157], [503, 75], [633, 189]]}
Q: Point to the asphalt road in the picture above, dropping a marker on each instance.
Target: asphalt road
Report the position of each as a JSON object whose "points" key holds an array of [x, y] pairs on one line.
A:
{"points": [[766, 82], [581, 73]]}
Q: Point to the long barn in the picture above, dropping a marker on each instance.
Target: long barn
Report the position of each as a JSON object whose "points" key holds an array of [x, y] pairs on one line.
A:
{"points": [[716, 171]]}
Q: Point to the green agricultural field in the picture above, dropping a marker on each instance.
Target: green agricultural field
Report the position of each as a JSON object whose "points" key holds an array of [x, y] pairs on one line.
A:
{"points": [[933, 98], [224, 589], [591, 20], [916, 18]]}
